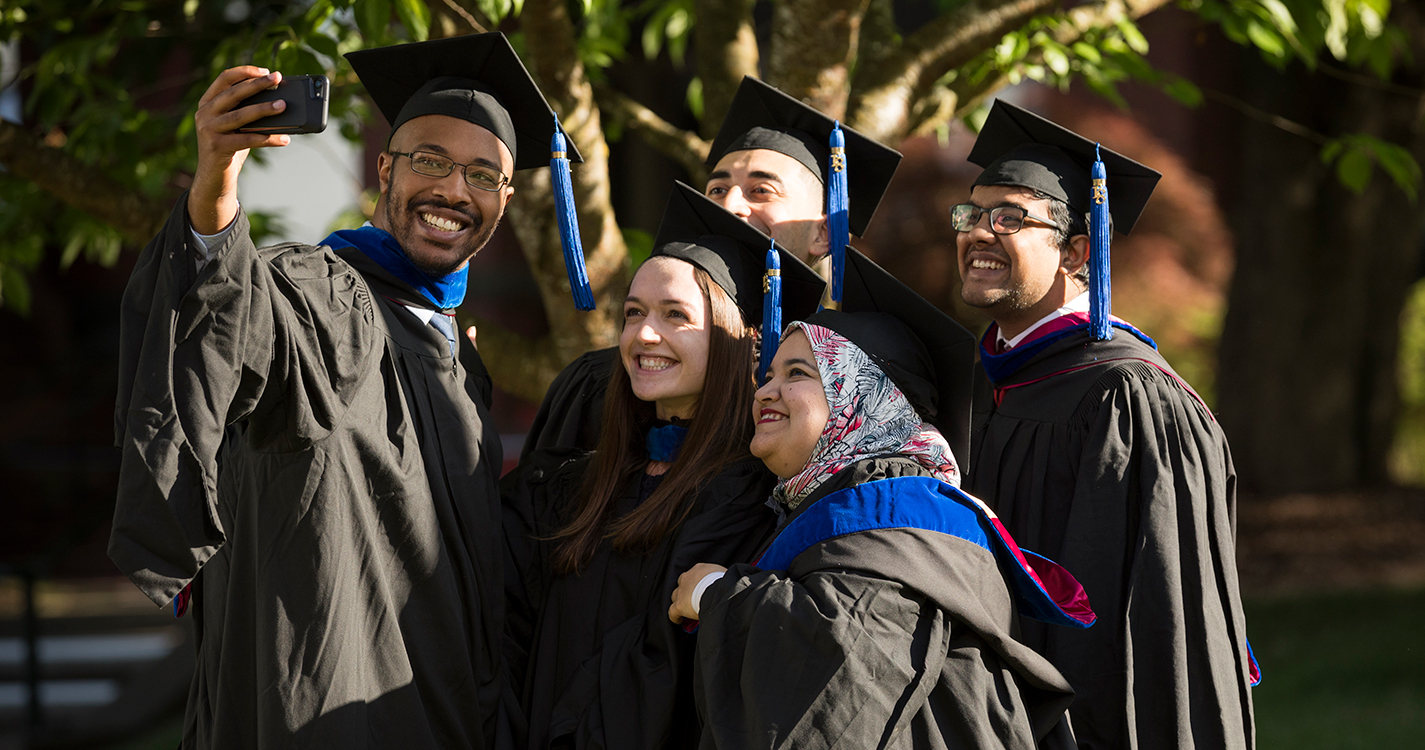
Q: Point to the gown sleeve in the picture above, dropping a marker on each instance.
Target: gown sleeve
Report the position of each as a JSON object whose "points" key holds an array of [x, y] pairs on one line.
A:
{"points": [[274, 338], [571, 415], [1153, 528]]}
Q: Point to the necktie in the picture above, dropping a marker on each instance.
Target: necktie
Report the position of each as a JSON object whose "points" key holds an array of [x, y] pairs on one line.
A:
{"points": [[446, 325]]}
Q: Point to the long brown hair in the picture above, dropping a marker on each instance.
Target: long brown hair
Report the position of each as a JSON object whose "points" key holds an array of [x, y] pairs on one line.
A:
{"points": [[718, 437]]}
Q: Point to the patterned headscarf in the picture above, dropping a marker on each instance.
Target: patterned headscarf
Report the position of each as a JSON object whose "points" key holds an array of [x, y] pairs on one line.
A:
{"points": [[869, 417]]}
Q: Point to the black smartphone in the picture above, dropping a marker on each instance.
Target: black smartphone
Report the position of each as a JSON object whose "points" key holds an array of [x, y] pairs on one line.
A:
{"points": [[306, 111]]}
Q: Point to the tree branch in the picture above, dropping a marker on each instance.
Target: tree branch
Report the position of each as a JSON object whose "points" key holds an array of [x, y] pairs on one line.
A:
{"points": [[80, 185], [480, 25], [884, 93], [724, 50], [813, 47], [682, 146], [553, 57]]}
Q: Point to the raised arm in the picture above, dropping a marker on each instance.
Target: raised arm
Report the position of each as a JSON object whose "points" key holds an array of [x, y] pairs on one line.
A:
{"points": [[212, 201]]}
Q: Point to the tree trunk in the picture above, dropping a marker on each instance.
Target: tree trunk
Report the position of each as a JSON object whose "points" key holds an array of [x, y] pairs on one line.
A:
{"points": [[553, 60], [1308, 352]]}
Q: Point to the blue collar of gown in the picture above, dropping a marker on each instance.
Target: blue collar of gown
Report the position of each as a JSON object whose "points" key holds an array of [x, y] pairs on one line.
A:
{"points": [[445, 292]]}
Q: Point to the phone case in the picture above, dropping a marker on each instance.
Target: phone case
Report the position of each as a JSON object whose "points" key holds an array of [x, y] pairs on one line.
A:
{"points": [[306, 112]]}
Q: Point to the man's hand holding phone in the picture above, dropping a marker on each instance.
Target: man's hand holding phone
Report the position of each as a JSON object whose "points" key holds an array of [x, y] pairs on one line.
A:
{"points": [[223, 147]]}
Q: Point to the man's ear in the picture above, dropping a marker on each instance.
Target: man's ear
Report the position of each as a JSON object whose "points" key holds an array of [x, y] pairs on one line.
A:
{"points": [[383, 170], [1075, 255], [821, 245]]}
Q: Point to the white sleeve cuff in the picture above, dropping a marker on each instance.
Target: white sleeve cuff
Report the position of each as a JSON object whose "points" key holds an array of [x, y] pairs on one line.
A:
{"points": [[703, 586], [209, 241]]}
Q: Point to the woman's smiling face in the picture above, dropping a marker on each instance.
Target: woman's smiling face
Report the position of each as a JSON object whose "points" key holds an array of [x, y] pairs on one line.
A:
{"points": [[791, 409], [664, 343]]}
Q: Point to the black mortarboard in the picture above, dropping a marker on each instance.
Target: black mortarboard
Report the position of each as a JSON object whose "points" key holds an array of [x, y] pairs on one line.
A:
{"points": [[477, 78], [1017, 147], [928, 355], [733, 253], [761, 117]]}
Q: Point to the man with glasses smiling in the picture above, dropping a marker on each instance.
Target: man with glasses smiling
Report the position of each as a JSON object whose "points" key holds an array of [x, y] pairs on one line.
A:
{"points": [[1096, 454], [309, 461]]}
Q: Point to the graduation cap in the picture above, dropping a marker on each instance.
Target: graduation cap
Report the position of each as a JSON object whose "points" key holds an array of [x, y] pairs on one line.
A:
{"points": [[1019, 148], [761, 117], [479, 79], [735, 256], [928, 355]]}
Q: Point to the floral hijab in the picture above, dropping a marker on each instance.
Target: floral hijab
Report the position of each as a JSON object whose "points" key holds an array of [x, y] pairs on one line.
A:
{"points": [[869, 417]]}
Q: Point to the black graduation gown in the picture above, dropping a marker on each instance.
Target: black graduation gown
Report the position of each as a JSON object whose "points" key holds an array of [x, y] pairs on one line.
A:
{"points": [[571, 415], [605, 668], [304, 450], [1119, 473], [897, 637]]}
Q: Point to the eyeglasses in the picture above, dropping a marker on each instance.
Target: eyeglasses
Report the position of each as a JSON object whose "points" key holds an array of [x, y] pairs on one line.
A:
{"points": [[477, 176], [1003, 219]]}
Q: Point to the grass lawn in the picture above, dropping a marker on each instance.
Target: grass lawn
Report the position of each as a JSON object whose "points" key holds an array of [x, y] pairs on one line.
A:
{"points": [[1340, 671]]}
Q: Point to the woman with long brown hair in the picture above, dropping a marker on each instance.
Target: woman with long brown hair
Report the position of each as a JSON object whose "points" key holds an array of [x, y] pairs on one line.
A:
{"points": [[597, 540]]}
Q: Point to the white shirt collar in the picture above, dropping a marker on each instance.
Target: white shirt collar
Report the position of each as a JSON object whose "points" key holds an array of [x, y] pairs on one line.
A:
{"points": [[1077, 304]]}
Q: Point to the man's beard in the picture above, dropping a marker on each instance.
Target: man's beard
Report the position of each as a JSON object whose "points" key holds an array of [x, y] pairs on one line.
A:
{"points": [[483, 230], [1016, 297]]}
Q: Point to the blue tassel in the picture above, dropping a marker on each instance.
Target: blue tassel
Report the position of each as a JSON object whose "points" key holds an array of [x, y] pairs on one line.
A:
{"points": [[1100, 236], [771, 312], [838, 216], [568, 221]]}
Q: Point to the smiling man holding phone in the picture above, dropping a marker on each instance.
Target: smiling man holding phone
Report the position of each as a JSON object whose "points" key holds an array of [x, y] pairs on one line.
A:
{"points": [[309, 463]]}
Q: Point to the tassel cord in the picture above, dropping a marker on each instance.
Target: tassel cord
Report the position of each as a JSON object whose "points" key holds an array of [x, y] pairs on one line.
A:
{"points": [[838, 215], [563, 185], [1100, 238], [771, 313]]}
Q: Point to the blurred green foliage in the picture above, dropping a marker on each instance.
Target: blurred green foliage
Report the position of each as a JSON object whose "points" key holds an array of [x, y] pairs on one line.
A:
{"points": [[114, 83], [1407, 461]]}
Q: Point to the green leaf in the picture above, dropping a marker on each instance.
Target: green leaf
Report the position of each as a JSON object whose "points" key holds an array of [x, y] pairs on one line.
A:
{"points": [[1266, 39], [325, 46], [975, 119], [1088, 52], [652, 39], [15, 290], [1354, 169], [1183, 90], [1279, 15], [496, 10], [1057, 61], [1009, 48], [1337, 27], [639, 244], [1398, 163], [372, 18], [415, 16], [695, 97], [1135, 39], [317, 14], [1331, 150]]}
